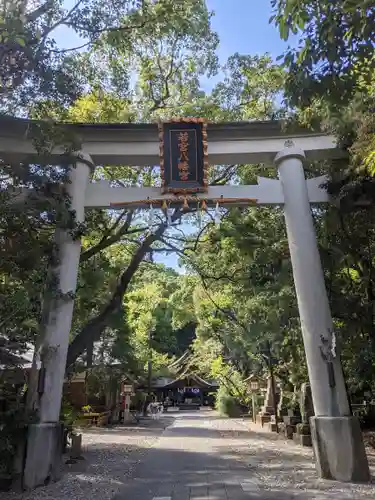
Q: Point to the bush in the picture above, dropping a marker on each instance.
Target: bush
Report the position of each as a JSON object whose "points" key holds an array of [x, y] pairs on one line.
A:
{"points": [[68, 415], [227, 405], [87, 409], [138, 401], [366, 416], [13, 432]]}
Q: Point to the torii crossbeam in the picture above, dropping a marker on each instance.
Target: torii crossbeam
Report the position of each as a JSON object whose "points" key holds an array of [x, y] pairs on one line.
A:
{"points": [[265, 192]]}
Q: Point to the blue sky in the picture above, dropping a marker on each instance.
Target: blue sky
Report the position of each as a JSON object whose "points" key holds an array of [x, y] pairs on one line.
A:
{"points": [[242, 26]]}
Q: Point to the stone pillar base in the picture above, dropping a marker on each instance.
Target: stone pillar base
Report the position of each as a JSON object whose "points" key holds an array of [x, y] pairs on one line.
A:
{"points": [[339, 449], [43, 462], [262, 419]]}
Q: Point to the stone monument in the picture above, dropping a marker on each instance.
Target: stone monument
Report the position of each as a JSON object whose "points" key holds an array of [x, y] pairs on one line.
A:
{"points": [[269, 402], [306, 403], [267, 410], [282, 409], [302, 434]]}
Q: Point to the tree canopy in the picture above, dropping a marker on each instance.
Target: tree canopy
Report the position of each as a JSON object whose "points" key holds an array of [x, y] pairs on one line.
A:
{"points": [[335, 45]]}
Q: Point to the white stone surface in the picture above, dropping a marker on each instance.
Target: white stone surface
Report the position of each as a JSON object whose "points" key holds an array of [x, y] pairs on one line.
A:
{"points": [[314, 310], [121, 150], [267, 192], [56, 341]]}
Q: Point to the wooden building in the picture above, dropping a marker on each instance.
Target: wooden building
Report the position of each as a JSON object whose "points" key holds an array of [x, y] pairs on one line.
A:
{"points": [[190, 391]]}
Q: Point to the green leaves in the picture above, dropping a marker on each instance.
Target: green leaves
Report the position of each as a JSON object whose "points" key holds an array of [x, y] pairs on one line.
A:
{"points": [[252, 86], [284, 31], [246, 293], [335, 37]]}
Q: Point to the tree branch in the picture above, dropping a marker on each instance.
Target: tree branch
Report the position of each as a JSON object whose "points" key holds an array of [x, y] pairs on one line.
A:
{"points": [[107, 240], [94, 328], [225, 177], [202, 230], [39, 11], [231, 316], [72, 49], [62, 20], [171, 248]]}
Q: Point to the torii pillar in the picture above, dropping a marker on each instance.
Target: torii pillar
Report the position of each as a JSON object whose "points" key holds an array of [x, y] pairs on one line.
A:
{"points": [[43, 460], [337, 439]]}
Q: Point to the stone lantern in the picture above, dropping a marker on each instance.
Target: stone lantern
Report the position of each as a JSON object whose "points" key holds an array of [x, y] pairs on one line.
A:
{"points": [[127, 390]]}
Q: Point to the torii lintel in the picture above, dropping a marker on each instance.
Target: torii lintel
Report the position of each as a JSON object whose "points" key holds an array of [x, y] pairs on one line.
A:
{"points": [[267, 192]]}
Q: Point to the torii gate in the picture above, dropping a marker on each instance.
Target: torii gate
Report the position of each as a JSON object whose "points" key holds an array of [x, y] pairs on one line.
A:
{"points": [[337, 439]]}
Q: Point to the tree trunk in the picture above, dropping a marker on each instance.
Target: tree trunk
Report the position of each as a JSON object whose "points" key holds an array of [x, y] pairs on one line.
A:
{"points": [[94, 328]]}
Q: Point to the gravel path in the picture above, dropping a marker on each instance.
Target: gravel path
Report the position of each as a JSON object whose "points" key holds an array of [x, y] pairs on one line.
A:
{"points": [[111, 456], [198, 449], [280, 467]]}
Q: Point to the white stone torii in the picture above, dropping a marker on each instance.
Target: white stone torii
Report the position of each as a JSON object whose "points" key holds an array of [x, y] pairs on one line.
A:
{"points": [[337, 439]]}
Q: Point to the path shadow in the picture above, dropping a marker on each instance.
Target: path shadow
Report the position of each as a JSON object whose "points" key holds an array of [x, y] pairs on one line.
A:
{"points": [[251, 437], [144, 427], [196, 415], [132, 472], [283, 477]]}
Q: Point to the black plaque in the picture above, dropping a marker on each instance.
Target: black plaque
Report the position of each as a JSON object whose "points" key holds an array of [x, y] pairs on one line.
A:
{"points": [[183, 156]]}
